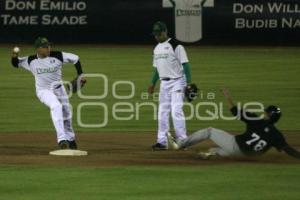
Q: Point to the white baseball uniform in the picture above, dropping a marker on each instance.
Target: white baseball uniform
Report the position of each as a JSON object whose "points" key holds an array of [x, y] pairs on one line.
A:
{"points": [[168, 58], [50, 90]]}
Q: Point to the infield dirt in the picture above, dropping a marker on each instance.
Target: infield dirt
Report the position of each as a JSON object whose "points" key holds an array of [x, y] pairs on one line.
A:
{"points": [[117, 150]]}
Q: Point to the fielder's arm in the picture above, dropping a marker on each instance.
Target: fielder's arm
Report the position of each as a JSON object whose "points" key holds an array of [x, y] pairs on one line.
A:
{"points": [[187, 72], [78, 82], [15, 59], [19, 62], [74, 59], [155, 77], [78, 68]]}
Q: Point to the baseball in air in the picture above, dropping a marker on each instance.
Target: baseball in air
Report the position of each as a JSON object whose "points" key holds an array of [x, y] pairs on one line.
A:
{"points": [[16, 50]]}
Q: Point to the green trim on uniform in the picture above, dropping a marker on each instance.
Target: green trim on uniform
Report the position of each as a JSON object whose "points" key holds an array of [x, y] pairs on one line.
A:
{"points": [[155, 76], [187, 72]]}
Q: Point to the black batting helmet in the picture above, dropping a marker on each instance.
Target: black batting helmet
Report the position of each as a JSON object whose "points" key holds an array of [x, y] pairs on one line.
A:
{"points": [[274, 113]]}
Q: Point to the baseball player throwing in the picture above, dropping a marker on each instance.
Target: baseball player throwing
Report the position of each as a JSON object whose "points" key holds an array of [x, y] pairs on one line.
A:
{"points": [[259, 137], [171, 66], [46, 67]]}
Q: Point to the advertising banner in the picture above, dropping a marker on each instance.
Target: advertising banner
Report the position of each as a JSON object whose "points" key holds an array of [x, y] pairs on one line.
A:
{"points": [[130, 21]]}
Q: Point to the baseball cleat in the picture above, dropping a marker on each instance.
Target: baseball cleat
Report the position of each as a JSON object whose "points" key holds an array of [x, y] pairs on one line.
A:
{"points": [[172, 142], [72, 144], [159, 147], [206, 155], [63, 144]]}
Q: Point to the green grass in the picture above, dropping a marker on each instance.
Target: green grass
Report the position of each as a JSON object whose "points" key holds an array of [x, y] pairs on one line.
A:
{"points": [[172, 183], [268, 75]]}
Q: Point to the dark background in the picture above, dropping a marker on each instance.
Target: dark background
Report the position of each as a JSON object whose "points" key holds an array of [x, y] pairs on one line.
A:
{"points": [[130, 22]]}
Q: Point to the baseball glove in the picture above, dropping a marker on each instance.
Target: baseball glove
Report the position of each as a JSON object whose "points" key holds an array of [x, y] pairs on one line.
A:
{"points": [[76, 84], [191, 92]]}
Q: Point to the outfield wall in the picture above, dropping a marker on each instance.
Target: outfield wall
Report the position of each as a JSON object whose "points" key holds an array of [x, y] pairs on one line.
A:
{"points": [[129, 21]]}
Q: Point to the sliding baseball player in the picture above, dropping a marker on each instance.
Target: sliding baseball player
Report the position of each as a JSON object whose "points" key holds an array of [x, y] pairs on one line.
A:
{"points": [[259, 137], [46, 67]]}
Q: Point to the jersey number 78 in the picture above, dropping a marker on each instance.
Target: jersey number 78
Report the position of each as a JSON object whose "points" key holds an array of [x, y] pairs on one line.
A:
{"points": [[260, 144]]}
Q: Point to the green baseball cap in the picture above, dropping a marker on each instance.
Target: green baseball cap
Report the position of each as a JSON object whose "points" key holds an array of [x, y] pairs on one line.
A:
{"points": [[41, 42], [159, 27]]}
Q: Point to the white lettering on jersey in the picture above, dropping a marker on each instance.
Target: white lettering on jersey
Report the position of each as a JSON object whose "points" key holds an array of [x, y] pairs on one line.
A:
{"points": [[47, 71]]}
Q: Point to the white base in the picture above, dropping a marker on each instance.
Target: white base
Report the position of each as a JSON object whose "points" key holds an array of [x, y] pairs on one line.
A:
{"points": [[68, 152]]}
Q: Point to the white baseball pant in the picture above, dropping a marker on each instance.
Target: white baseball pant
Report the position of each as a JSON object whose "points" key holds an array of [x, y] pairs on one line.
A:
{"points": [[171, 97], [61, 114]]}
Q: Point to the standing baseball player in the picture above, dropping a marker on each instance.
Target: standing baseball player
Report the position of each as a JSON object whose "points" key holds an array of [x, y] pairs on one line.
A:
{"points": [[46, 67], [259, 137], [171, 66]]}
